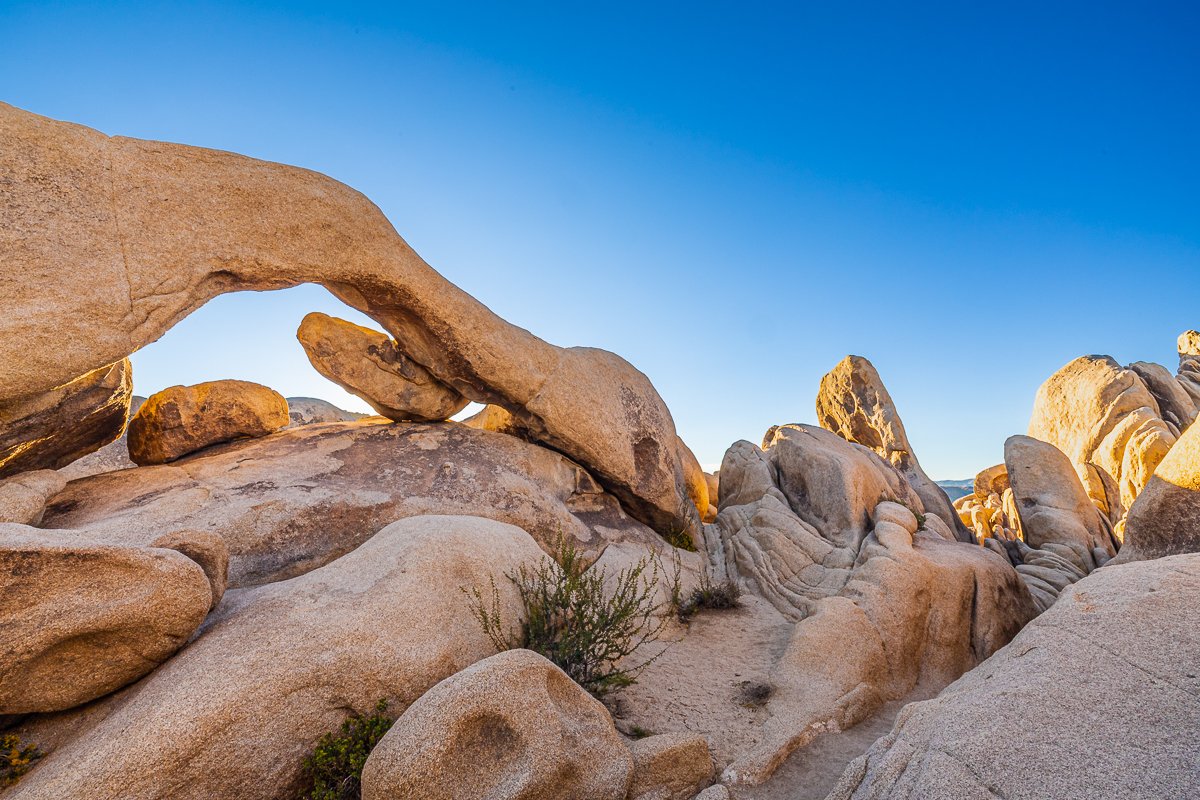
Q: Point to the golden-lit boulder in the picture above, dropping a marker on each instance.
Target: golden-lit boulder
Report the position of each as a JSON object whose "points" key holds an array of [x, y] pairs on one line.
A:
{"points": [[183, 419], [1165, 519], [371, 365]]}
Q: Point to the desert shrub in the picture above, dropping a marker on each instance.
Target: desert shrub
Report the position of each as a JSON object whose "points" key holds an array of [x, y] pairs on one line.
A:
{"points": [[708, 595], [15, 759], [335, 767], [570, 618]]}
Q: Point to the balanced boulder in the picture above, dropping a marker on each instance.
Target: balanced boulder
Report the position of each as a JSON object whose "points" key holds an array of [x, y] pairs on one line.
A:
{"points": [[51, 429], [183, 419], [511, 727], [371, 365], [81, 619]]}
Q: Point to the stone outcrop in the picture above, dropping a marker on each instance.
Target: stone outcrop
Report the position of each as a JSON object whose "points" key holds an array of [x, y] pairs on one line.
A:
{"points": [[371, 365], [235, 712], [1111, 669], [180, 420], [1165, 519], [82, 619], [160, 229], [670, 766], [23, 497], [290, 502], [853, 403], [1115, 421], [512, 726], [113, 456], [311, 411], [51, 428], [1189, 365], [812, 524]]}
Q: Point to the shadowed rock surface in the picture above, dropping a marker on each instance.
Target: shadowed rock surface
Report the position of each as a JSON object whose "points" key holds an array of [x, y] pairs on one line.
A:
{"points": [[1165, 519], [51, 429]]}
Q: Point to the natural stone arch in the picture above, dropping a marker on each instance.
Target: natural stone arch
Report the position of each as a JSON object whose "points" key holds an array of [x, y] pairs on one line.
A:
{"points": [[107, 242]]}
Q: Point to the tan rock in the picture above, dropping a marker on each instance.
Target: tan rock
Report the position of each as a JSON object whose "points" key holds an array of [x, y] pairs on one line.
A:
{"points": [[160, 229], [1174, 403], [697, 485], [183, 419], [23, 497], [288, 503], [670, 766], [1054, 509], [499, 420], [1189, 343], [235, 712], [1165, 519], [993, 480], [1110, 669], [854, 403], [82, 619], [50, 429], [312, 411], [372, 365], [511, 727], [208, 550]]}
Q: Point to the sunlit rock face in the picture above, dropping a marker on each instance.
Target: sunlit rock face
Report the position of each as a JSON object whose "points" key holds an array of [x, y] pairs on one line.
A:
{"points": [[1116, 424], [853, 403], [160, 229], [884, 600], [1165, 519], [371, 365], [1110, 669]]}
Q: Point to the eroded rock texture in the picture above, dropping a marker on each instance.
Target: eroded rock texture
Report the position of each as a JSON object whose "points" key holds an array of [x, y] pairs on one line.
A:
{"points": [[1111, 669], [292, 501], [1165, 519], [828, 532], [853, 403], [160, 229]]}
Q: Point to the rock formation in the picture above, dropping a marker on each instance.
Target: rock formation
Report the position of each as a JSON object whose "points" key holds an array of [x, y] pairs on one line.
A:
{"points": [[288, 503], [109, 458], [23, 497], [183, 419], [371, 365], [812, 524], [1095, 698], [512, 726], [853, 403], [51, 428], [163, 228], [670, 766], [82, 619], [234, 714], [1165, 519], [311, 411]]}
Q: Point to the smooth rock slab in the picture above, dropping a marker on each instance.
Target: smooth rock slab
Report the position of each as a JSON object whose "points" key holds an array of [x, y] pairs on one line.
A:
{"points": [[81, 619], [234, 714], [511, 727], [1095, 698]]}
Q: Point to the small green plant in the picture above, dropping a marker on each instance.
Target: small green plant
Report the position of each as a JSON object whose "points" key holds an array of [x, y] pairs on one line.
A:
{"points": [[638, 732], [681, 539], [708, 595], [15, 759], [570, 618], [335, 767]]}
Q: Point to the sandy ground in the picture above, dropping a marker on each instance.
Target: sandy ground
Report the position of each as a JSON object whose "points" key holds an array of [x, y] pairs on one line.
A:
{"points": [[702, 683]]}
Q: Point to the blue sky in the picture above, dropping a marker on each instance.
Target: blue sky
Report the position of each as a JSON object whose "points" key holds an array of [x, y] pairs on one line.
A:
{"points": [[732, 196]]}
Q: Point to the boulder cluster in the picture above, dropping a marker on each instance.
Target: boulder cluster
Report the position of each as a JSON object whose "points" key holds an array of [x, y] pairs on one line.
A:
{"points": [[200, 584]]}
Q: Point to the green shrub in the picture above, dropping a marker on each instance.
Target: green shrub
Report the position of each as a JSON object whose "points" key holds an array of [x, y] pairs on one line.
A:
{"points": [[568, 617], [15, 759], [723, 595], [335, 767]]}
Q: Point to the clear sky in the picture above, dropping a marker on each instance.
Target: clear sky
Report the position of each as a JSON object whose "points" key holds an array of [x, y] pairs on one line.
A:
{"points": [[731, 196]]}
